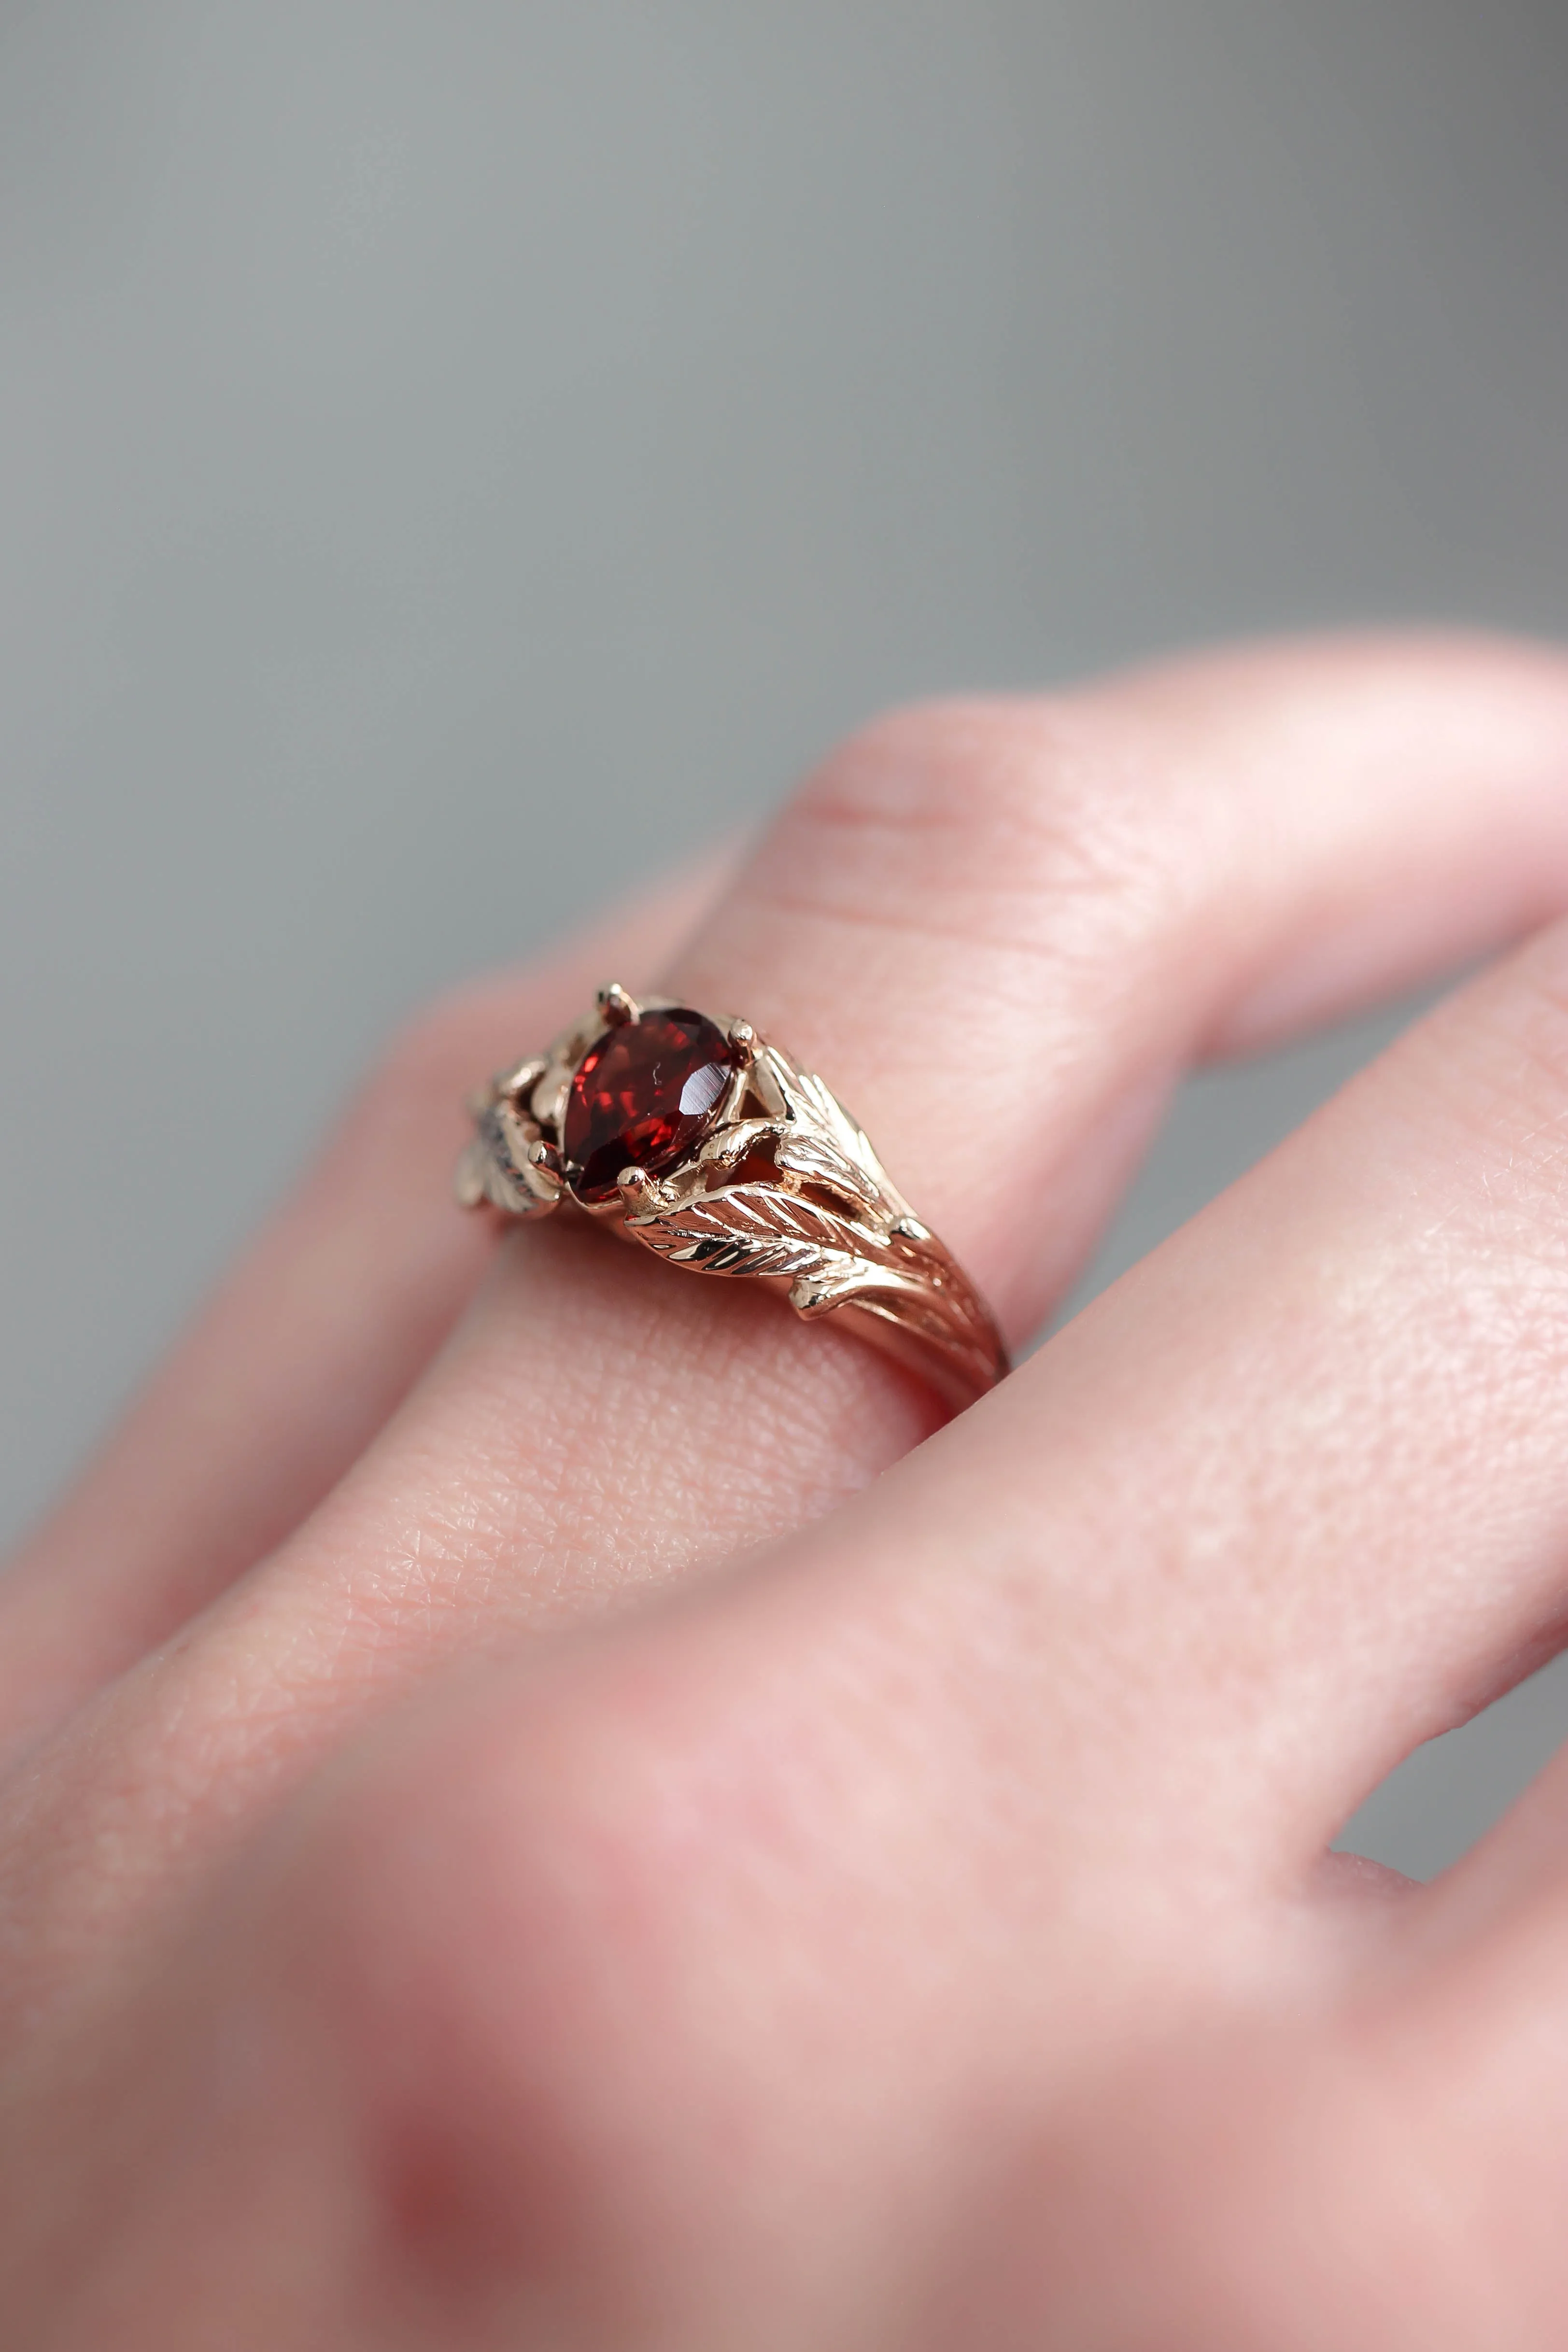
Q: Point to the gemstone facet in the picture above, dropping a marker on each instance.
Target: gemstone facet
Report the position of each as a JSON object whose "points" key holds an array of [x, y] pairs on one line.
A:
{"points": [[642, 1096]]}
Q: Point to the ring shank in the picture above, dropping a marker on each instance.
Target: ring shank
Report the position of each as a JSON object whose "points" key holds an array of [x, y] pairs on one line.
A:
{"points": [[958, 1378]]}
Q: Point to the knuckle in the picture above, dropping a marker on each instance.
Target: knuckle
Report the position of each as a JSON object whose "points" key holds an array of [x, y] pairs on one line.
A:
{"points": [[997, 812]]}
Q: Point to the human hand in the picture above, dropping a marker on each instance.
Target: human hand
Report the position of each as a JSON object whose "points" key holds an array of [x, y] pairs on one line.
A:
{"points": [[915, 1929]]}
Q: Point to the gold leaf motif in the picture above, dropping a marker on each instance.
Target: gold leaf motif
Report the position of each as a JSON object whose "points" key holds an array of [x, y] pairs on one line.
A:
{"points": [[820, 1161], [496, 1166], [829, 1225], [751, 1229]]}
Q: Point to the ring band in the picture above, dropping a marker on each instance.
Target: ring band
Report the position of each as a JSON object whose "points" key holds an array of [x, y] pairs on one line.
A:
{"points": [[702, 1141]]}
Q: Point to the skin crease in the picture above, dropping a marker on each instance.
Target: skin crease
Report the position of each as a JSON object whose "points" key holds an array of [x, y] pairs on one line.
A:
{"points": [[627, 1836]]}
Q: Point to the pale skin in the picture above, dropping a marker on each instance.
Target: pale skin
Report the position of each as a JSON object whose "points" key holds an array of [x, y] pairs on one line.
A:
{"points": [[550, 1804]]}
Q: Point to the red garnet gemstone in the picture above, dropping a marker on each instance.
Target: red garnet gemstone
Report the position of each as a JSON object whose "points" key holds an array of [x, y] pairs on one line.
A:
{"points": [[642, 1096]]}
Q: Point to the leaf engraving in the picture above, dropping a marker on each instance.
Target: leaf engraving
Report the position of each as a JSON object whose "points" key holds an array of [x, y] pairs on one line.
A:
{"points": [[750, 1228], [496, 1166], [797, 1195], [821, 1162]]}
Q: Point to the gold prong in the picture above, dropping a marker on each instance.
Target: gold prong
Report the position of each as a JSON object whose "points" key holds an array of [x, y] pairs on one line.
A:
{"points": [[618, 1006], [743, 1038], [634, 1185], [543, 1171]]}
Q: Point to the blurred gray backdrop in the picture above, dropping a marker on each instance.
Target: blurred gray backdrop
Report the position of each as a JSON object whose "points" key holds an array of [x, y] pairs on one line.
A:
{"points": [[441, 440]]}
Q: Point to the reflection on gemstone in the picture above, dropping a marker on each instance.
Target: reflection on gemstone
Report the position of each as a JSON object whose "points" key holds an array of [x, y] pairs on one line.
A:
{"points": [[702, 1090]]}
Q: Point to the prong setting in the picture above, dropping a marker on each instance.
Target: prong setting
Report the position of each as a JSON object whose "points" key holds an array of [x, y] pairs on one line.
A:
{"points": [[618, 1006], [701, 1140]]}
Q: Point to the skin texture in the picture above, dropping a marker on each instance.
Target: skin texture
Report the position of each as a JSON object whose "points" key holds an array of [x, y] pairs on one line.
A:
{"points": [[550, 1804]]}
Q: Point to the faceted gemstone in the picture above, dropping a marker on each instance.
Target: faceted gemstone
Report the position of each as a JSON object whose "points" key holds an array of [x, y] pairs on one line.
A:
{"points": [[642, 1097]]}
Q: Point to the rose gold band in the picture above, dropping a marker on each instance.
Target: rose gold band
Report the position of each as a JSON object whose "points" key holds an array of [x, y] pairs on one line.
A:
{"points": [[703, 1142]]}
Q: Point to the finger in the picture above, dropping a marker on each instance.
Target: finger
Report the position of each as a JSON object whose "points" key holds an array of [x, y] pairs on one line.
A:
{"points": [[301, 1355], [1048, 909], [1004, 930], [1289, 1498]]}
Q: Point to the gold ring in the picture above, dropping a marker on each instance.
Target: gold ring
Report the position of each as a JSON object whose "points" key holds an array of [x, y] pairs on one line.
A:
{"points": [[703, 1142]]}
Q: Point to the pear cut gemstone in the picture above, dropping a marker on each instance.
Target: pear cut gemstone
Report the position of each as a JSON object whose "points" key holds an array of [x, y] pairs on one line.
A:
{"points": [[643, 1095]]}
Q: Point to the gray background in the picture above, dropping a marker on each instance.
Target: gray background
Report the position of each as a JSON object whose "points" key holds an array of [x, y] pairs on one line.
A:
{"points": [[440, 440]]}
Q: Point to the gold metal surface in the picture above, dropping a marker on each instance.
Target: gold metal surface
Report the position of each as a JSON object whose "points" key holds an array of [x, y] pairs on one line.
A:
{"points": [[784, 1189]]}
